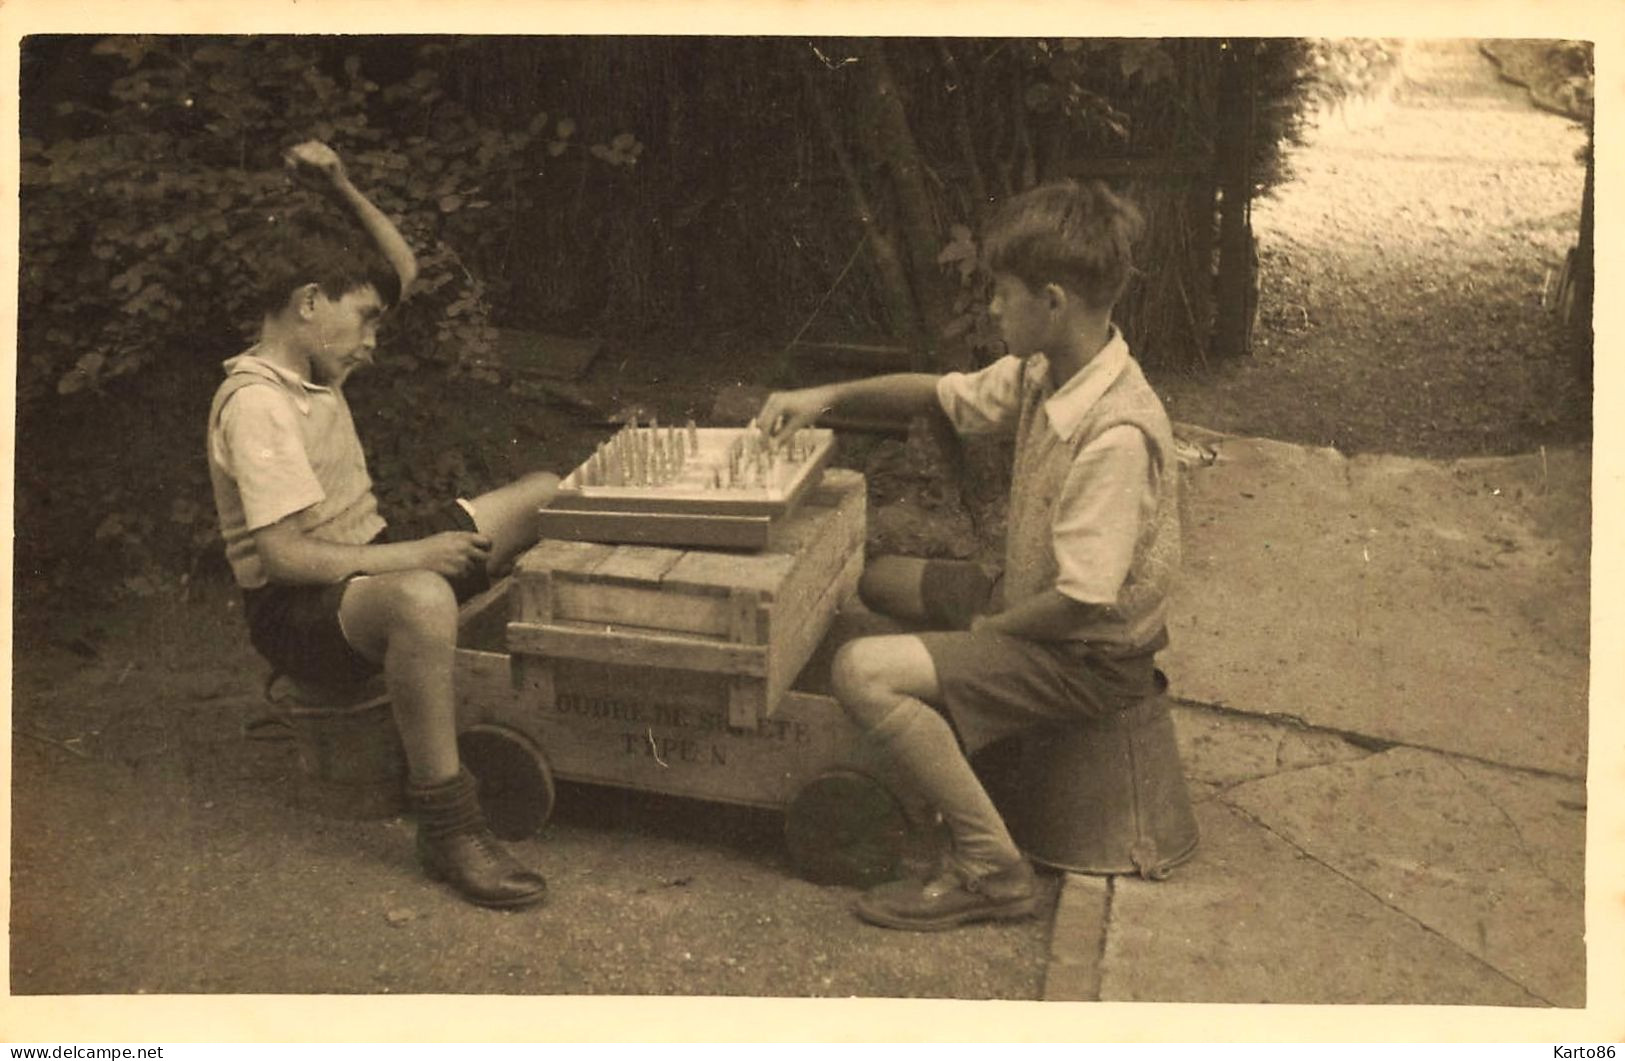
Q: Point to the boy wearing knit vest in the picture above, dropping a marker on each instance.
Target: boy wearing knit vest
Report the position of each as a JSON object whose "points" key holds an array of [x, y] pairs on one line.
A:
{"points": [[1092, 543], [330, 596]]}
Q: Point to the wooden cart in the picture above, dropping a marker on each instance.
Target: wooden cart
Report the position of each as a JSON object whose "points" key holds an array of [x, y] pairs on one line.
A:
{"points": [[688, 672]]}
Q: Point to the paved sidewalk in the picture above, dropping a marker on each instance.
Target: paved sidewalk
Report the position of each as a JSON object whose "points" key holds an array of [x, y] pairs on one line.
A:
{"points": [[1381, 671]]}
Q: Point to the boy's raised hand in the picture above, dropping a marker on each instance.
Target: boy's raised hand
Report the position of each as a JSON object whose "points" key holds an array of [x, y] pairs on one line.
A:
{"points": [[315, 160]]}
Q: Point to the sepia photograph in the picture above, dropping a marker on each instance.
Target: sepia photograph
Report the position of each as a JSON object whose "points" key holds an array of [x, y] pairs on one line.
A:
{"points": [[1075, 513]]}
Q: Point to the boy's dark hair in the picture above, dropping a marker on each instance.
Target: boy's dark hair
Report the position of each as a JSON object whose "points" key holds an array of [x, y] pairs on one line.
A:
{"points": [[292, 251], [1076, 235]]}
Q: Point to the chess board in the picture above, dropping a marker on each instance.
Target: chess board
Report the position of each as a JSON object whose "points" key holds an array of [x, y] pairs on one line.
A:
{"points": [[687, 486]]}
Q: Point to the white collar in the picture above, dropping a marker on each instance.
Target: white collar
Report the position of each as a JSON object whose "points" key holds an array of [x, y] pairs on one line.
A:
{"points": [[300, 387], [1067, 407]]}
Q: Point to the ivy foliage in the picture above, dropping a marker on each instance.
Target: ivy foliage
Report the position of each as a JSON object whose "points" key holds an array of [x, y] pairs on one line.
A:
{"points": [[140, 204]]}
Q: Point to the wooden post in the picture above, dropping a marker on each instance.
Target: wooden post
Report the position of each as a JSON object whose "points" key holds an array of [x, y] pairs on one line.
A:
{"points": [[747, 694], [1579, 321], [532, 602], [1234, 290]]}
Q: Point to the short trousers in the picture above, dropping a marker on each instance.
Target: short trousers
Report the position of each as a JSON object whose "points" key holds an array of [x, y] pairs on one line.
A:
{"points": [[995, 686], [296, 627]]}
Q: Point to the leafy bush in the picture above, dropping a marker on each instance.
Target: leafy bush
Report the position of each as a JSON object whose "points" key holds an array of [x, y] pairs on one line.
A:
{"points": [[1353, 68], [140, 210]]}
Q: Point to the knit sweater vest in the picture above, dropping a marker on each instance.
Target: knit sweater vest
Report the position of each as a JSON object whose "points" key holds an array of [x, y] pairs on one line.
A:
{"points": [[1138, 618]]}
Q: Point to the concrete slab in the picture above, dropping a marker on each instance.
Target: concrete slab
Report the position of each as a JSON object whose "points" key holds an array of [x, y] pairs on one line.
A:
{"points": [[1226, 748], [1077, 939], [1491, 859], [1436, 604], [1252, 919]]}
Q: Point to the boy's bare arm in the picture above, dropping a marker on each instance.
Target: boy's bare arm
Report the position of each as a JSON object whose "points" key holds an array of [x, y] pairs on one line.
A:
{"points": [[292, 556], [903, 394], [315, 157], [1046, 616]]}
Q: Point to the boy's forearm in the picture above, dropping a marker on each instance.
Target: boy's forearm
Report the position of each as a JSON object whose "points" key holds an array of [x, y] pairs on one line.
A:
{"points": [[902, 394], [1046, 616], [382, 230], [304, 560]]}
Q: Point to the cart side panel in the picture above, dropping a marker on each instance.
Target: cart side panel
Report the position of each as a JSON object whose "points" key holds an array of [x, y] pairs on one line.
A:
{"points": [[668, 731]]}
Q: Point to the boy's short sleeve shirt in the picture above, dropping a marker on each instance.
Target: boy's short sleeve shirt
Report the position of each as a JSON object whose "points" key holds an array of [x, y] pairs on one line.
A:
{"points": [[287, 449], [1109, 487], [265, 451], [985, 402]]}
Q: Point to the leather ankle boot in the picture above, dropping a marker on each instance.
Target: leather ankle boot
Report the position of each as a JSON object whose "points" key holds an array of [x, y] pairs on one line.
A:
{"points": [[454, 845]]}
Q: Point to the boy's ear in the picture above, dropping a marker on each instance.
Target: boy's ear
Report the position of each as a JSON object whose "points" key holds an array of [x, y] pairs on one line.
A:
{"points": [[303, 300], [1055, 297]]}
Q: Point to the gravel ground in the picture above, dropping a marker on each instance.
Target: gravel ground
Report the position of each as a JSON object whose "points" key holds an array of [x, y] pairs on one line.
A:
{"points": [[1402, 276], [155, 851]]}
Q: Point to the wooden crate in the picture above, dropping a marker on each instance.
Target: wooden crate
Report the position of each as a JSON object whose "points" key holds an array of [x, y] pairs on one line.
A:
{"points": [[732, 629]]}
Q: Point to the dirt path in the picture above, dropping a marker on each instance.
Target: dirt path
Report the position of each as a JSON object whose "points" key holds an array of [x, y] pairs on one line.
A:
{"points": [[155, 851], [1402, 273]]}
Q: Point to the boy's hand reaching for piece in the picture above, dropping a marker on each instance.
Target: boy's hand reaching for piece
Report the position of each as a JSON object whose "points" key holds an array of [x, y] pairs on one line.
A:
{"points": [[315, 160], [453, 553], [787, 411]]}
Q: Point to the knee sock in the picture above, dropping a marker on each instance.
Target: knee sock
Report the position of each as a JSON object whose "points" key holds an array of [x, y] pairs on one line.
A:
{"points": [[923, 744]]}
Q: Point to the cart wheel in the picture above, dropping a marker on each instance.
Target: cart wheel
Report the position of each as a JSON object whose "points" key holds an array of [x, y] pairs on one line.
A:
{"points": [[516, 784], [844, 827]]}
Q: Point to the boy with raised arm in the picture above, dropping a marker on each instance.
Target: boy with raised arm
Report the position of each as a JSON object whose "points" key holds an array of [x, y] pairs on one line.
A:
{"points": [[1092, 546], [330, 596]]}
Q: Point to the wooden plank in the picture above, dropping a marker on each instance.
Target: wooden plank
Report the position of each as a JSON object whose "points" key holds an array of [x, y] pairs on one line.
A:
{"points": [[660, 609], [767, 571], [667, 731], [701, 571], [637, 565], [695, 504], [483, 685], [806, 601], [832, 493], [557, 554], [643, 648], [795, 645], [534, 600], [657, 528], [838, 535], [747, 696]]}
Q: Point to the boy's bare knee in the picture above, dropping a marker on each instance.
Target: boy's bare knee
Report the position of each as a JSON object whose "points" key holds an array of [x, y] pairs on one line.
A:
{"points": [[858, 673], [540, 481], [423, 603]]}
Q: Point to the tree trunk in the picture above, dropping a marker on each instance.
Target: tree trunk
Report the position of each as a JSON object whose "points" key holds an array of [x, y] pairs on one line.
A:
{"points": [[889, 141], [899, 298], [960, 87], [1233, 296]]}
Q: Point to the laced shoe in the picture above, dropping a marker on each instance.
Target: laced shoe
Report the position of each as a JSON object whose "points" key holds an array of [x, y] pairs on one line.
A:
{"points": [[455, 845], [951, 898]]}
